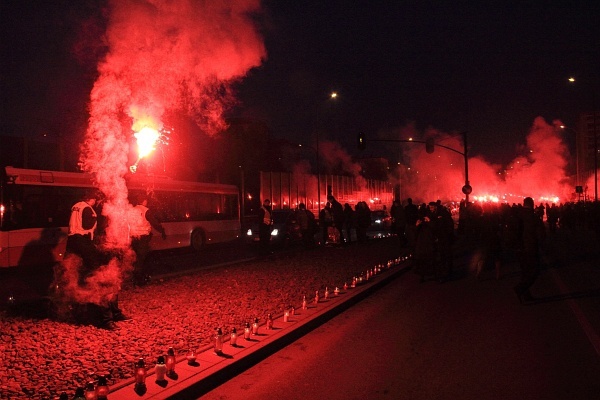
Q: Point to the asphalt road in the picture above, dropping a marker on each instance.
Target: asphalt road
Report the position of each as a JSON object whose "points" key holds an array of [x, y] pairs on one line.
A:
{"points": [[464, 339]]}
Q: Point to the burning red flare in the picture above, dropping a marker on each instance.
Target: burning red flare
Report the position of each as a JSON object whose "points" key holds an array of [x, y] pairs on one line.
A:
{"points": [[163, 56], [146, 141]]}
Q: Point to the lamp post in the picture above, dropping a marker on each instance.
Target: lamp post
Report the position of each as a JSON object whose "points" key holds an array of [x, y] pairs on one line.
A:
{"points": [[318, 177], [332, 96]]}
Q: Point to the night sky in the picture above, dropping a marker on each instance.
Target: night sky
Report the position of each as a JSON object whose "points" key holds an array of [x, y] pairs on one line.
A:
{"points": [[488, 68]]}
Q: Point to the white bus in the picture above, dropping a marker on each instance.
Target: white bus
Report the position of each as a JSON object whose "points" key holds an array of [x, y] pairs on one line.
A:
{"points": [[35, 208]]}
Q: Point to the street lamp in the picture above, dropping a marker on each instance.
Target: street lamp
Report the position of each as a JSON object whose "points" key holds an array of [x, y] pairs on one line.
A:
{"points": [[332, 96]]}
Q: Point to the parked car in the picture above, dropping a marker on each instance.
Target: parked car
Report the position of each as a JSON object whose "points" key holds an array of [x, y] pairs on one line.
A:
{"points": [[285, 228], [380, 220]]}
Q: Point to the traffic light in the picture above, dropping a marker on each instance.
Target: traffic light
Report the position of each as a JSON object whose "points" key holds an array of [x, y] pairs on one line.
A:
{"points": [[362, 142], [429, 145]]}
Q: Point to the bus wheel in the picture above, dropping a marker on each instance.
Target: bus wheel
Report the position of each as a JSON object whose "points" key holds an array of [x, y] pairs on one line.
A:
{"points": [[198, 240]]}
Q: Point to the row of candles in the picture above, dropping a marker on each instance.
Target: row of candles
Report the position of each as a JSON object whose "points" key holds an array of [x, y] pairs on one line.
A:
{"points": [[92, 391], [165, 364]]}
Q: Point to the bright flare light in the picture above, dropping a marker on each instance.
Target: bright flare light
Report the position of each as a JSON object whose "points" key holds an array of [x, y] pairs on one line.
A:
{"points": [[146, 141]]}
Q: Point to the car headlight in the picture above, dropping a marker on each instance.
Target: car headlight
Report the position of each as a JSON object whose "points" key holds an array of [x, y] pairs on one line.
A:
{"points": [[249, 232], [377, 221], [274, 232]]}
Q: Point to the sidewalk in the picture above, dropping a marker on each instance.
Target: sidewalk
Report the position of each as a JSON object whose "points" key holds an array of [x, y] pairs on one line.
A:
{"points": [[210, 369]]}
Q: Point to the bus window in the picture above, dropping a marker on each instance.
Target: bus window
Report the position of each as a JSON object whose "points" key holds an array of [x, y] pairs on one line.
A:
{"points": [[14, 214]]}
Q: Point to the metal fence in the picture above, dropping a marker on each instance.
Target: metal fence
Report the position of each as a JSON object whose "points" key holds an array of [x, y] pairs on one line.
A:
{"points": [[287, 190]]}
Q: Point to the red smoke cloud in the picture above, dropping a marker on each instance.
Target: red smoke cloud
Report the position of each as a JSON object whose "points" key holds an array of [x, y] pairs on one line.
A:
{"points": [[163, 56], [539, 172], [337, 160]]}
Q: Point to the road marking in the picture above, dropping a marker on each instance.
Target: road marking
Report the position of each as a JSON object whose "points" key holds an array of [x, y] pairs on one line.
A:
{"points": [[581, 318]]}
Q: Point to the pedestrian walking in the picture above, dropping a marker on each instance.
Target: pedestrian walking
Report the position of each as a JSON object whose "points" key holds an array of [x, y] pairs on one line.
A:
{"points": [[490, 241], [531, 235], [443, 228]]}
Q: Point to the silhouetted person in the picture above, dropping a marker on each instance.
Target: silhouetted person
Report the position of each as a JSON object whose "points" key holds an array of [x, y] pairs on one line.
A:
{"points": [[425, 252], [338, 216], [411, 213], [326, 221], [531, 235], [443, 227], [552, 214], [490, 240], [37, 261], [306, 221], [398, 221], [348, 221], [363, 220]]}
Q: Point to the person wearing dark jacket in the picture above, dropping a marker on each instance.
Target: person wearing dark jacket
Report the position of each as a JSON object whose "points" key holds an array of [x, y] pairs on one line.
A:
{"points": [[411, 214], [531, 235], [326, 222], [363, 220], [398, 221], [338, 216], [443, 229], [306, 220], [425, 250], [348, 221]]}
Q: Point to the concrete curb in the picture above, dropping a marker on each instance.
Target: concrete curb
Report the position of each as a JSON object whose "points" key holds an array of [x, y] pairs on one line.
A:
{"points": [[211, 370]]}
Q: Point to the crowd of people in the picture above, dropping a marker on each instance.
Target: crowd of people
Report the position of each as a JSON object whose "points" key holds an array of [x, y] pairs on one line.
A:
{"points": [[336, 224], [498, 232], [428, 231]]}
